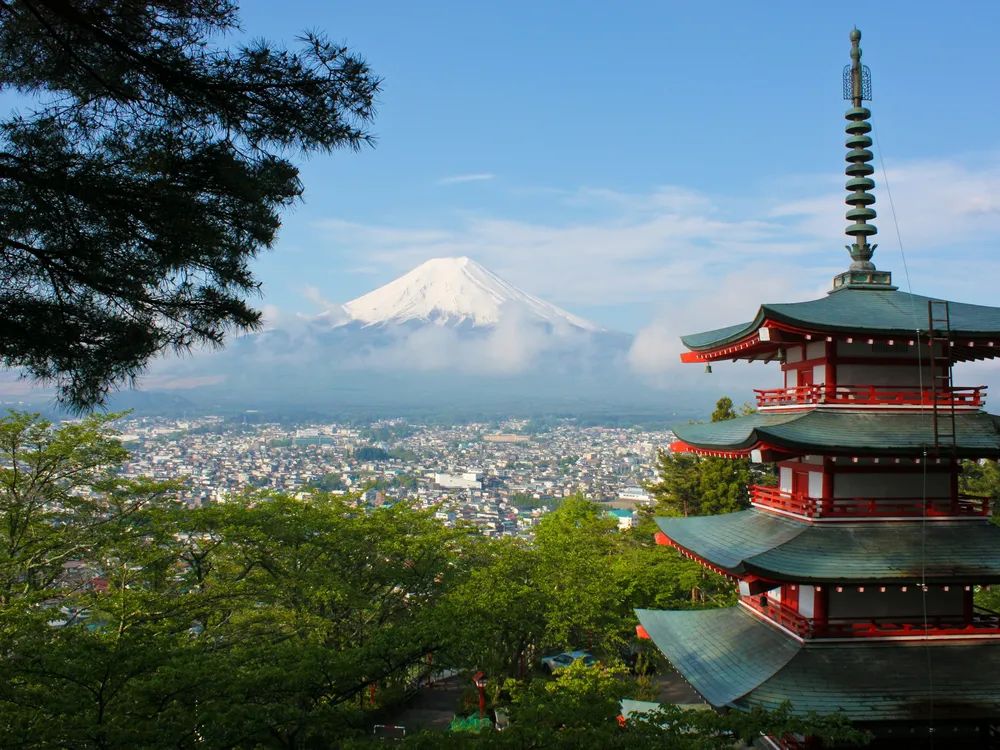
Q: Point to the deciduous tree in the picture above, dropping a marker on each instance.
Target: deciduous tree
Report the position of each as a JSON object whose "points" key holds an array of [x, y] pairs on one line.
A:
{"points": [[495, 615]]}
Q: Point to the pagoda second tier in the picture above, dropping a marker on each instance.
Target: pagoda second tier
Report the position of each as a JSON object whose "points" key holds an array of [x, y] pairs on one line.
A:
{"points": [[849, 316], [856, 433], [766, 546]]}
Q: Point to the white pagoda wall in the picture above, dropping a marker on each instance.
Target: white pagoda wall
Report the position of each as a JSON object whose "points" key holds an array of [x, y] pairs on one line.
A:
{"points": [[784, 479], [807, 597], [864, 349]]}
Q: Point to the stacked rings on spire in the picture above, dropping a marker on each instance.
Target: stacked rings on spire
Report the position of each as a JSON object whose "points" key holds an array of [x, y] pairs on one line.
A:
{"points": [[859, 170]]}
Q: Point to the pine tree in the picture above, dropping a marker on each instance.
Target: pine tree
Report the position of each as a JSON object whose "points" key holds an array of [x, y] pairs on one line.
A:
{"points": [[148, 171], [693, 486], [678, 491], [724, 481]]}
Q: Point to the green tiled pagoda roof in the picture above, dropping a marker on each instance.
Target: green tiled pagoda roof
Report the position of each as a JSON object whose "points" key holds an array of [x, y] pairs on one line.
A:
{"points": [[850, 433], [763, 544], [861, 311], [733, 659], [723, 653]]}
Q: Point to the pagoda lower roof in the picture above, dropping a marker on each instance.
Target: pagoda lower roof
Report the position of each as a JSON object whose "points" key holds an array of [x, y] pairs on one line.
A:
{"points": [[841, 432], [860, 312], [734, 659], [754, 542]]}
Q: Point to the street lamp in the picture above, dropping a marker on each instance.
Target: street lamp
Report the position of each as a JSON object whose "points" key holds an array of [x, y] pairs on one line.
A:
{"points": [[479, 680]]}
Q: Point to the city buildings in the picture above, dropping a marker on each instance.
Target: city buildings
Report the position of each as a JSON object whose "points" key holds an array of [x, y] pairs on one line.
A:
{"points": [[502, 487]]}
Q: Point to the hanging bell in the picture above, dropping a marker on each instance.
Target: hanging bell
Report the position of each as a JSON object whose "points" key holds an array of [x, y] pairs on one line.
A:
{"points": [[708, 369]]}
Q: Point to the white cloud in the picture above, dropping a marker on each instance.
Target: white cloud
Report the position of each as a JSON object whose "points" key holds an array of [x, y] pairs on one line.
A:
{"points": [[649, 246], [605, 247], [734, 299], [315, 296], [694, 261], [465, 178], [938, 203]]}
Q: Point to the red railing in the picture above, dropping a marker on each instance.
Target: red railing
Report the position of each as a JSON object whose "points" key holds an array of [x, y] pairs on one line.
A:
{"points": [[855, 507], [869, 395], [776, 611], [982, 622]]}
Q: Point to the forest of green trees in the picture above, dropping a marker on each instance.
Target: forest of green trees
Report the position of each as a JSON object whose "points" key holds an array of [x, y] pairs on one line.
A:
{"points": [[129, 620]]}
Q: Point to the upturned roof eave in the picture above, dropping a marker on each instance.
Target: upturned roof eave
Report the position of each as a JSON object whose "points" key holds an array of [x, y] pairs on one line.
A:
{"points": [[798, 448], [745, 654], [727, 334], [779, 549], [783, 315], [755, 664], [824, 432], [741, 332]]}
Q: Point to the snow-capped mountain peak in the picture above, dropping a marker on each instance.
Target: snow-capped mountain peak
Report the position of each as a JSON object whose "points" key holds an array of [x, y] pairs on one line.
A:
{"points": [[452, 291]]}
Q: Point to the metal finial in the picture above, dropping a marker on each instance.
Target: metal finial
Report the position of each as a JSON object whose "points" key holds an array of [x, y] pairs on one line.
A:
{"points": [[857, 77], [858, 88]]}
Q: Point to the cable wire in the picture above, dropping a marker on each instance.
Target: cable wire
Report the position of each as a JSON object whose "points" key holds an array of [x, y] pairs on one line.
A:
{"points": [[923, 412]]}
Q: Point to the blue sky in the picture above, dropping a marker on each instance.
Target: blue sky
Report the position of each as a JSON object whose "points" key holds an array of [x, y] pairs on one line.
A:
{"points": [[646, 163], [656, 167]]}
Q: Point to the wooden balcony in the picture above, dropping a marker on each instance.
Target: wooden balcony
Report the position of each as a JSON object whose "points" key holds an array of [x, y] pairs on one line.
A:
{"points": [[857, 508], [903, 397], [983, 622]]}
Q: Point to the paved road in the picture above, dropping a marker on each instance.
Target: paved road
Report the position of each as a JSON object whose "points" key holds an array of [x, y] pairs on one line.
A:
{"points": [[432, 707], [672, 688]]}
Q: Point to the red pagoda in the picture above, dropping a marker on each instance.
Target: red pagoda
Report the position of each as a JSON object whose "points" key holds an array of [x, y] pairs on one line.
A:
{"points": [[857, 573]]}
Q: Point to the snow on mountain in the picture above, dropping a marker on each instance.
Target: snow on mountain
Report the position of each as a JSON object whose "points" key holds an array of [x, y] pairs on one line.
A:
{"points": [[454, 291], [450, 325]]}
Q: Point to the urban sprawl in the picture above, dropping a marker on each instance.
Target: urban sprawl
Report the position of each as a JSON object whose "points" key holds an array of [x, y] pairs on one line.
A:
{"points": [[501, 477]]}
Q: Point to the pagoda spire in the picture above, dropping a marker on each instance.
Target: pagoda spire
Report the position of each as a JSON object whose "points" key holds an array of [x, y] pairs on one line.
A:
{"points": [[857, 88]]}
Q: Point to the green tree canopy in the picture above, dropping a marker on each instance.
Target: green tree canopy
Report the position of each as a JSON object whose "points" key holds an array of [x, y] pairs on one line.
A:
{"points": [[148, 171], [328, 483], [46, 523], [723, 410], [689, 485], [130, 620], [370, 453], [271, 622], [576, 544]]}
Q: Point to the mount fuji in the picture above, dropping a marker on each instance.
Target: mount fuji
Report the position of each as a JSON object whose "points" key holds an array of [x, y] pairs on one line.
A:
{"points": [[455, 291], [449, 329], [450, 315]]}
